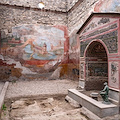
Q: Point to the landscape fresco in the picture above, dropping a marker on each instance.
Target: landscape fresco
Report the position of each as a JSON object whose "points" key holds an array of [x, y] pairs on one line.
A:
{"points": [[34, 42]]}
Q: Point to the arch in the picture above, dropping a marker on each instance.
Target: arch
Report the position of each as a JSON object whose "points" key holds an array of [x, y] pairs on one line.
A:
{"points": [[96, 65], [97, 40]]}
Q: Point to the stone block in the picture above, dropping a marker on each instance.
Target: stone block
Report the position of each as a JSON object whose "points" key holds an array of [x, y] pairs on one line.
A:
{"points": [[2, 95]]}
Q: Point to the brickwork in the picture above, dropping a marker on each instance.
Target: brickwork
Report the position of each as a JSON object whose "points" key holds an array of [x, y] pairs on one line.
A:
{"points": [[70, 13], [78, 16], [71, 3], [25, 12], [59, 5], [15, 16]]}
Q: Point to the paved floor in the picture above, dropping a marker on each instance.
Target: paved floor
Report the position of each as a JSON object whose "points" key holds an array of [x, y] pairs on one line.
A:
{"points": [[37, 88]]}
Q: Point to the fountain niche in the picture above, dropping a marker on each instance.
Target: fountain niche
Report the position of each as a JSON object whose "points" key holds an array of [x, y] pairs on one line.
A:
{"points": [[96, 66]]}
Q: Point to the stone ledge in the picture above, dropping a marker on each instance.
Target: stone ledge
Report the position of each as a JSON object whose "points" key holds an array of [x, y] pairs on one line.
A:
{"points": [[114, 101], [97, 107], [2, 95]]}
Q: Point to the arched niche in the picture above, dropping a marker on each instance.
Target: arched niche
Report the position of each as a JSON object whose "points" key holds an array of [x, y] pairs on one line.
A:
{"points": [[96, 66]]}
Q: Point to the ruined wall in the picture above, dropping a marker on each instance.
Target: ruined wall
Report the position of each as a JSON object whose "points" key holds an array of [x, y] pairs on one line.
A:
{"points": [[13, 16], [78, 15], [41, 48], [58, 5], [24, 14], [37, 39]]}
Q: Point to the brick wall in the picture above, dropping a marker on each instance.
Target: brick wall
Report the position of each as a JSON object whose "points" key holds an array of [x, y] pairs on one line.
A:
{"points": [[71, 3], [11, 16], [59, 5], [77, 16]]}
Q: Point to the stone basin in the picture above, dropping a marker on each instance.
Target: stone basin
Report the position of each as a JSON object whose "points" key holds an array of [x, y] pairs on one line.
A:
{"points": [[94, 94]]}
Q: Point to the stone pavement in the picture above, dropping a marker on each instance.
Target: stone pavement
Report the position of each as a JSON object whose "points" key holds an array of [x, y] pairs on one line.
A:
{"points": [[39, 88]]}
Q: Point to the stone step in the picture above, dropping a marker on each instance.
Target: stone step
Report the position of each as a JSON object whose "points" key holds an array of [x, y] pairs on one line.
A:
{"points": [[2, 95], [97, 107]]}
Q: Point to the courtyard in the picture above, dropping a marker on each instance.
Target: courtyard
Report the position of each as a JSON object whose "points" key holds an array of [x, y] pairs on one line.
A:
{"points": [[27, 100], [59, 59]]}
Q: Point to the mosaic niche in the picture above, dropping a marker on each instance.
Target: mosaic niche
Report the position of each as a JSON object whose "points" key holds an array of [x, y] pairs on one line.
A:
{"points": [[110, 39], [99, 31], [114, 74], [97, 69], [95, 24]]}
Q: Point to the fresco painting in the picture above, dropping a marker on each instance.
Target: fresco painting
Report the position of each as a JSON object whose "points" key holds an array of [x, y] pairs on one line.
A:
{"points": [[74, 52], [107, 6], [35, 42], [74, 48], [114, 74], [74, 44]]}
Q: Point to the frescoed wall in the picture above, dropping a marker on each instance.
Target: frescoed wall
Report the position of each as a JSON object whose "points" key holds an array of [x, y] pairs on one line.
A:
{"points": [[34, 42], [99, 50], [42, 38], [74, 52], [107, 6], [38, 47]]}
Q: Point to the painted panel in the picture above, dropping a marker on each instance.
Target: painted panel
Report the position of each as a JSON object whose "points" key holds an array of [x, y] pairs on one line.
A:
{"points": [[114, 74], [35, 42]]}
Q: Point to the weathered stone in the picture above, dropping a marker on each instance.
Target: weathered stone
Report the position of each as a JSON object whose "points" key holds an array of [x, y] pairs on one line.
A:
{"points": [[59, 5], [71, 3], [13, 16], [56, 73], [72, 102], [78, 15], [18, 104], [60, 109]]}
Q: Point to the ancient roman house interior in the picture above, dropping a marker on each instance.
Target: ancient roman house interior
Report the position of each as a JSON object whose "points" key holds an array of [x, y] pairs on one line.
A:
{"points": [[59, 59]]}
